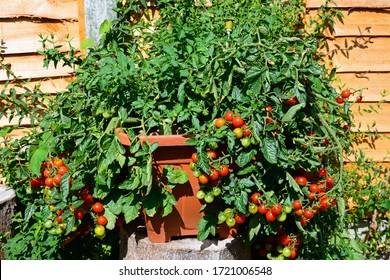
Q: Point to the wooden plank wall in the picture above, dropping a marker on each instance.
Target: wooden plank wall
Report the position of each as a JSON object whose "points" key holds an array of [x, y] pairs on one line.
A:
{"points": [[360, 49], [21, 21]]}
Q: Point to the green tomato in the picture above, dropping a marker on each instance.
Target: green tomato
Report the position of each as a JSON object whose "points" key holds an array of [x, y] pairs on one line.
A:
{"points": [[48, 224], [230, 221], [229, 212], [196, 173], [221, 217], [287, 208], [58, 230], [252, 208], [100, 230], [209, 198], [213, 145], [216, 191], [281, 217], [192, 165], [286, 252], [53, 231], [254, 141], [245, 142], [279, 248], [200, 194]]}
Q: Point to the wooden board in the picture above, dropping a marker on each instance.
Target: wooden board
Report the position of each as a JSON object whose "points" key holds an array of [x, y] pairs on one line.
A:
{"points": [[351, 3], [51, 9], [363, 54], [379, 121], [372, 85], [23, 36], [360, 23], [49, 85], [376, 148], [31, 66]]}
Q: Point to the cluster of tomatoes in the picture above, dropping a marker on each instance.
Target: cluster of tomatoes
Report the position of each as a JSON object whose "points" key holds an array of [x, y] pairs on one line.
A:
{"points": [[49, 184], [273, 212], [280, 246], [209, 182], [238, 126], [316, 192]]}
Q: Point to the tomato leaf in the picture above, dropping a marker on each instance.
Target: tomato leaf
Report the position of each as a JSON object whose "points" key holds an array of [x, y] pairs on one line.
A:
{"points": [[289, 116], [37, 157], [254, 226], [29, 211], [269, 148], [293, 184]]}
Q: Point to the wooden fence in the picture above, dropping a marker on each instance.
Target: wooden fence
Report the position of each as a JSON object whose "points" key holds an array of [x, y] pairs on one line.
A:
{"points": [[358, 48]]}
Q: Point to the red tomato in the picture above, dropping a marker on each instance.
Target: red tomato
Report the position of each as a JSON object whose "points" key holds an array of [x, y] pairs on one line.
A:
{"points": [[303, 221], [313, 188], [35, 183], [63, 169], [311, 196], [268, 108], [97, 207], [284, 239], [102, 220], [79, 214], [240, 218], [57, 179], [214, 175], [255, 198], [49, 182], [276, 210], [308, 214], [46, 173], [339, 100], [224, 170], [297, 205], [238, 121], [301, 180], [270, 216], [322, 172], [88, 199], [229, 116], [345, 93], [262, 209]]}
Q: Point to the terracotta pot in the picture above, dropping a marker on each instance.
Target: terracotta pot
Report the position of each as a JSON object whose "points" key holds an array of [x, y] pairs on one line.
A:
{"points": [[183, 220]]}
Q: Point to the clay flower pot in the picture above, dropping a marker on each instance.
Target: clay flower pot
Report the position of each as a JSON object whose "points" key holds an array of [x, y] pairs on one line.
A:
{"points": [[183, 220]]}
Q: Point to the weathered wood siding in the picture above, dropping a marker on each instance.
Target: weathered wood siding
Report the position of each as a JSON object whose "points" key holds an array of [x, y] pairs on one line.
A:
{"points": [[21, 22], [359, 48]]}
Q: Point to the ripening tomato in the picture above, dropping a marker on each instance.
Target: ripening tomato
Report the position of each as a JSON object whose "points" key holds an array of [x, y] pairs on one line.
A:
{"points": [[252, 208], [194, 157], [224, 170], [203, 178], [97, 207], [100, 231], [239, 132], [46, 173], [229, 116], [58, 162], [102, 220], [219, 122], [346, 93], [237, 121], [211, 154], [230, 221]]}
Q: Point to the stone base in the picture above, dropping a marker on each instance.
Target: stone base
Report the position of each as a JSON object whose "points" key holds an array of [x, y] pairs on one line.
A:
{"points": [[7, 206], [135, 245]]}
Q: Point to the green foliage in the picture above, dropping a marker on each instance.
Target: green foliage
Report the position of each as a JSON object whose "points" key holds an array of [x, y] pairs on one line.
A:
{"points": [[176, 75]]}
